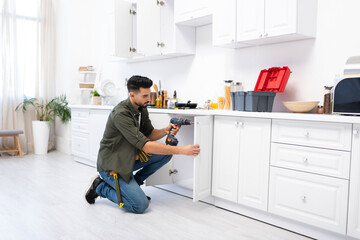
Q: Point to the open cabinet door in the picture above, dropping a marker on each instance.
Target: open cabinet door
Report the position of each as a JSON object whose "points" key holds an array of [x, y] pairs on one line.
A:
{"points": [[161, 176], [203, 134], [123, 28]]}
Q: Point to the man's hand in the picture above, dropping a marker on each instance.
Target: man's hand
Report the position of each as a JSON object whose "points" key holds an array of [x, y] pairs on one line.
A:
{"points": [[174, 131], [192, 150]]}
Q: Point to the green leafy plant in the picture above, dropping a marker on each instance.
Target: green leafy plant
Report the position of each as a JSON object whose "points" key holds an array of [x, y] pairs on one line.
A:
{"points": [[94, 93], [57, 107]]}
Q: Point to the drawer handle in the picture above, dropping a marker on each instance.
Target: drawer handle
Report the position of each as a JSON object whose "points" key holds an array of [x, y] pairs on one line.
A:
{"points": [[306, 134], [305, 160], [303, 198]]}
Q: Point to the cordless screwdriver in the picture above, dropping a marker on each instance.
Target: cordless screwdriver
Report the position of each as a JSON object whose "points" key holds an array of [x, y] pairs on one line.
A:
{"points": [[171, 139]]}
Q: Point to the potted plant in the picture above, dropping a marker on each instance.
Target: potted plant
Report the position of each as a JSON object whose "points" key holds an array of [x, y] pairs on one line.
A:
{"points": [[96, 99], [45, 114]]}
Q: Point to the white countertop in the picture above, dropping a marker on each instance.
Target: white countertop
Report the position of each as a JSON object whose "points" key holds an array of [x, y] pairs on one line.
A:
{"points": [[271, 115]]}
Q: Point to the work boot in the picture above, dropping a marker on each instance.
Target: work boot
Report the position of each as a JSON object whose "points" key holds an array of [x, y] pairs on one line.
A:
{"points": [[91, 193]]}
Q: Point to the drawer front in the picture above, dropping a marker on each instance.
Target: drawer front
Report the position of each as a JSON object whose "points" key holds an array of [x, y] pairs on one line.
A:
{"points": [[80, 127], [80, 146], [314, 134], [314, 160], [80, 115], [309, 198]]}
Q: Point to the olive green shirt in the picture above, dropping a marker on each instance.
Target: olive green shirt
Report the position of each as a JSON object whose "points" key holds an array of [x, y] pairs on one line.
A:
{"points": [[123, 138]]}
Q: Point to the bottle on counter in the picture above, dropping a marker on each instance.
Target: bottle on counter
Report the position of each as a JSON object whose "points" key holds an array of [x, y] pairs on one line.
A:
{"points": [[327, 99], [172, 101]]}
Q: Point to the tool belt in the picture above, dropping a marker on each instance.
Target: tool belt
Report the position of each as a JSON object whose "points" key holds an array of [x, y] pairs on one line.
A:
{"points": [[116, 180], [143, 156]]}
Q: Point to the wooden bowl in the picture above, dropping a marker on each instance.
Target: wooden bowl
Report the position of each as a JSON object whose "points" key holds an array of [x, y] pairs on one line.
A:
{"points": [[300, 107]]}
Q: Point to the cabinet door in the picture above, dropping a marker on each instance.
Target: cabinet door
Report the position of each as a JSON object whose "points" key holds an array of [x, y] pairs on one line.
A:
{"points": [[224, 20], [189, 9], [354, 197], [97, 124], [162, 176], [123, 29], [203, 162], [254, 162], [250, 19], [167, 27], [226, 157], [280, 17], [148, 27]]}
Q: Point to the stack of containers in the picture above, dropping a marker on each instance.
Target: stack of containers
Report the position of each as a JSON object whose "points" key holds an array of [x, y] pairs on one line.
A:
{"points": [[270, 81]]}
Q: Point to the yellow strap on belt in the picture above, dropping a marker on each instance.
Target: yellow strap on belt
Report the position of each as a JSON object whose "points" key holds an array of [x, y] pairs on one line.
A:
{"points": [[118, 190], [143, 156]]}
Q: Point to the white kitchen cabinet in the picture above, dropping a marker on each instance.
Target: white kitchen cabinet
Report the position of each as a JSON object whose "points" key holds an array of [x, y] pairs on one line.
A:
{"points": [[97, 124], [157, 33], [125, 29], [254, 162], [192, 13], [241, 160], [309, 198], [192, 174], [226, 157], [353, 229], [272, 21], [87, 131], [260, 22]]}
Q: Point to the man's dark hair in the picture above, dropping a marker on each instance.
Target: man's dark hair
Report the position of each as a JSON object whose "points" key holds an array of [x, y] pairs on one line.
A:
{"points": [[136, 82]]}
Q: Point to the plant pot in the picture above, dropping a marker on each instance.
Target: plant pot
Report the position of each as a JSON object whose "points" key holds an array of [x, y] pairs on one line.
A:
{"points": [[96, 100], [41, 132]]}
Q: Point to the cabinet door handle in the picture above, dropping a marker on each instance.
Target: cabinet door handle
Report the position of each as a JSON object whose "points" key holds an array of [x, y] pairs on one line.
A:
{"points": [[303, 198], [132, 49], [172, 171], [161, 3], [160, 44], [265, 35], [355, 132], [236, 124], [132, 12], [260, 36]]}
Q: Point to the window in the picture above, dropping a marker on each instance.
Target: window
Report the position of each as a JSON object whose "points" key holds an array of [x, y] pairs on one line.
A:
{"points": [[27, 24], [26, 44]]}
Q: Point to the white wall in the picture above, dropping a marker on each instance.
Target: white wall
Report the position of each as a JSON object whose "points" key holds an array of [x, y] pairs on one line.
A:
{"points": [[313, 62]]}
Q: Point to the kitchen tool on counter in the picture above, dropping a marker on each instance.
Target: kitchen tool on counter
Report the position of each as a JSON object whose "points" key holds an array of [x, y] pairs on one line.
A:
{"points": [[300, 106], [156, 88], [186, 105]]}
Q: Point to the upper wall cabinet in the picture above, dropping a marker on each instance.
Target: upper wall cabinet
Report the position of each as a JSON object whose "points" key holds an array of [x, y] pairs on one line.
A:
{"points": [[157, 33], [125, 35], [260, 22], [193, 13]]}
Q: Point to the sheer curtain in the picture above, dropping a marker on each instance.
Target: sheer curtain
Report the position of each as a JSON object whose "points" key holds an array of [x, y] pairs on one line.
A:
{"points": [[12, 91], [21, 74]]}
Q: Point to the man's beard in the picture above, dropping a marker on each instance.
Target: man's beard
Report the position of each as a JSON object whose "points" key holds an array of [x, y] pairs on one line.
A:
{"points": [[142, 105]]}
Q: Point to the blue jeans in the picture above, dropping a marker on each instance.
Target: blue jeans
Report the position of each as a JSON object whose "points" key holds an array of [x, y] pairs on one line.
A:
{"points": [[132, 195]]}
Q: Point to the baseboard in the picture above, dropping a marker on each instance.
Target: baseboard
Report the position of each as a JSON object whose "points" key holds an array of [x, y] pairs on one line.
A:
{"points": [[63, 144]]}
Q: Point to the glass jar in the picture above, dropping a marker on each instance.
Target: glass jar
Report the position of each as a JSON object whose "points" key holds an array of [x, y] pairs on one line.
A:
{"points": [[327, 99], [227, 99]]}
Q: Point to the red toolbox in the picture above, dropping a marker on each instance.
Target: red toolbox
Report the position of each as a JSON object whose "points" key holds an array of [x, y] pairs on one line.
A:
{"points": [[273, 79], [270, 81]]}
